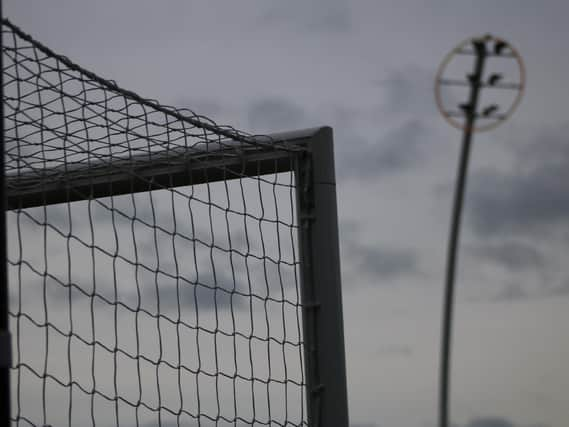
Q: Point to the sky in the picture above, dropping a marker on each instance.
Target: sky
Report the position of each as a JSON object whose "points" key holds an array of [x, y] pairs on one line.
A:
{"points": [[367, 69]]}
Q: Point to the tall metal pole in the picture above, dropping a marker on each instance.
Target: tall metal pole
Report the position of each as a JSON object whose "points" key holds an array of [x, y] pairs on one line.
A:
{"points": [[5, 340], [470, 110]]}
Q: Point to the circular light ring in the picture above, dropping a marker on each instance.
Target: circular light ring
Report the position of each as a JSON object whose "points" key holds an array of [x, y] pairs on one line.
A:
{"points": [[455, 123]]}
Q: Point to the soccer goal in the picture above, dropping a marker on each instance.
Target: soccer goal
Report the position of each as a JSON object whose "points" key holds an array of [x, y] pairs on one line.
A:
{"points": [[162, 269]]}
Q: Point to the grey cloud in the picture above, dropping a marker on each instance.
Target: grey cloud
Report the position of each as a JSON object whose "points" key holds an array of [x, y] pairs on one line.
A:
{"points": [[59, 291], [395, 350], [408, 90], [13, 300], [560, 289], [79, 214], [166, 24], [399, 150], [401, 147], [377, 263], [546, 146], [383, 263], [532, 200], [208, 292], [57, 216], [529, 204], [275, 114], [57, 288], [490, 422], [511, 292], [312, 16], [511, 255], [516, 291], [54, 215], [496, 422]]}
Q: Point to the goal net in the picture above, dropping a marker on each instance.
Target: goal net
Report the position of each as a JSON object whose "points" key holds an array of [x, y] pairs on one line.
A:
{"points": [[158, 270]]}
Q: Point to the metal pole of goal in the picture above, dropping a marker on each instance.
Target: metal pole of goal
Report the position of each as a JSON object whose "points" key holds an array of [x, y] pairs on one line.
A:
{"points": [[5, 340], [325, 362]]}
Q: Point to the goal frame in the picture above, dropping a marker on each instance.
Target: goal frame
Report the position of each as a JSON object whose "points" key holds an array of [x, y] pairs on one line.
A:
{"points": [[310, 154], [5, 338]]}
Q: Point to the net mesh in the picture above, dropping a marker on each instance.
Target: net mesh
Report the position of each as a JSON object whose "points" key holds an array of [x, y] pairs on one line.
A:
{"points": [[171, 306]]}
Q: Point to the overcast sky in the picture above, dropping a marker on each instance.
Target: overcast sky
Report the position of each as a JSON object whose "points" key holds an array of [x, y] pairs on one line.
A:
{"points": [[366, 68]]}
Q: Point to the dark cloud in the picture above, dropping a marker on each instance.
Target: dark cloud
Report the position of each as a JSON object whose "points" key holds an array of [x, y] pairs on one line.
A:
{"points": [[545, 146], [275, 114], [533, 200], [312, 16], [383, 263], [397, 151], [376, 263], [511, 255], [530, 204]]}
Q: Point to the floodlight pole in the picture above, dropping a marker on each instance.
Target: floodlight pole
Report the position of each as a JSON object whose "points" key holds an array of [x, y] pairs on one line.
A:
{"points": [[470, 110]]}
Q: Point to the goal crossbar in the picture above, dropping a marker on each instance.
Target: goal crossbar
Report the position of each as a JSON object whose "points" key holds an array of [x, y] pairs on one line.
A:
{"points": [[158, 170]]}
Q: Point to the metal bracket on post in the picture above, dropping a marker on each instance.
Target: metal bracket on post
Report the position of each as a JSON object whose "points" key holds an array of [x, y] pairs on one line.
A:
{"points": [[5, 350], [323, 327]]}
